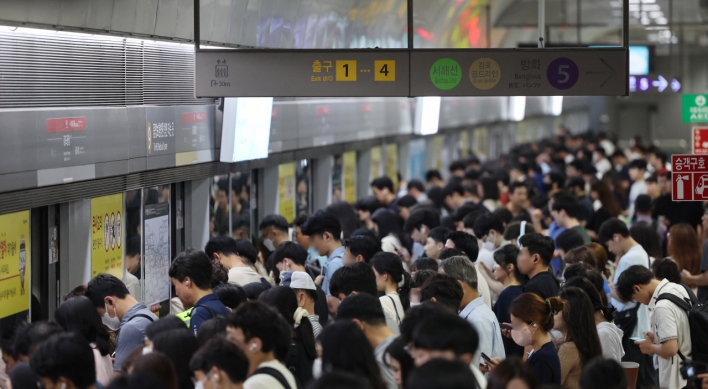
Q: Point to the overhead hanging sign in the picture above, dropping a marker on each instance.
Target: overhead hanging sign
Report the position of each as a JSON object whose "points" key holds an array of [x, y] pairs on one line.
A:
{"points": [[408, 73], [690, 177], [695, 108]]}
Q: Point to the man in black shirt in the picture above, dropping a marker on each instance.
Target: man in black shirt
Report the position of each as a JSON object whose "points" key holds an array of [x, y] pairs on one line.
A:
{"points": [[533, 261]]}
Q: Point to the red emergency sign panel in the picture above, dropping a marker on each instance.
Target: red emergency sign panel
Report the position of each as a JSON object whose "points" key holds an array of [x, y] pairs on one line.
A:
{"points": [[690, 177], [201, 117], [700, 140], [66, 124]]}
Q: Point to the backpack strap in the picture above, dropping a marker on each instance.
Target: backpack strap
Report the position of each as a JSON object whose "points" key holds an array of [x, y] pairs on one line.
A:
{"points": [[681, 303], [212, 312], [395, 308], [144, 316], [275, 374]]}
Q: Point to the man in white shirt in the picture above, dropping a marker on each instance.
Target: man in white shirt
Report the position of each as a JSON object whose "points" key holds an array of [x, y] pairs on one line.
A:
{"points": [[366, 312], [257, 330], [237, 256], [670, 335], [473, 309], [615, 235], [637, 168]]}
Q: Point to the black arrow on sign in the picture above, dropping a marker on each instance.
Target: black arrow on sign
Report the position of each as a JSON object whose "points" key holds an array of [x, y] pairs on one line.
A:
{"points": [[611, 72]]}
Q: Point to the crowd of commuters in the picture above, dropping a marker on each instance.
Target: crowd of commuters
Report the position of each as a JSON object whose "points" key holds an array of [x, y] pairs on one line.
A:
{"points": [[565, 264]]}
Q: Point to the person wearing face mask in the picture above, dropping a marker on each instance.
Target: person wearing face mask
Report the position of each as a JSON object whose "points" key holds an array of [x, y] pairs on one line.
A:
{"points": [[531, 319], [506, 272], [120, 311], [274, 231], [56, 360], [219, 365]]}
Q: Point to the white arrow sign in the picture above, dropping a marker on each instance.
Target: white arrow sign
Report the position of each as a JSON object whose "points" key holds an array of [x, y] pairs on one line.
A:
{"points": [[675, 85], [660, 84]]}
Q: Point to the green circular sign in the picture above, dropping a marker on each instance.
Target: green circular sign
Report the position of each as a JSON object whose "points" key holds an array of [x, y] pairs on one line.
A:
{"points": [[445, 73]]}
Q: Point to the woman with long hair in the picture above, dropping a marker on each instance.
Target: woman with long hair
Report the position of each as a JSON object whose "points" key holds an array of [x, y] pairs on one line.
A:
{"points": [[610, 335], [532, 318], [179, 345], [600, 255], [394, 282], [78, 315], [489, 192], [345, 347], [399, 361], [685, 248], [159, 365], [580, 340], [506, 272], [283, 299], [389, 228], [648, 238], [610, 207]]}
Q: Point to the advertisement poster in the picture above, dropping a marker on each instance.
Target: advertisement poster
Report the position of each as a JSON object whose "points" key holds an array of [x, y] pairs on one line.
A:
{"points": [[156, 228], [416, 159], [107, 235], [349, 168], [375, 163], [53, 245], [14, 263], [464, 144], [337, 178], [437, 152], [286, 190], [392, 163]]}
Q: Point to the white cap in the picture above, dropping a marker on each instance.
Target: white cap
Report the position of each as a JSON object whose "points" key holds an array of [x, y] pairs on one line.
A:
{"points": [[302, 280]]}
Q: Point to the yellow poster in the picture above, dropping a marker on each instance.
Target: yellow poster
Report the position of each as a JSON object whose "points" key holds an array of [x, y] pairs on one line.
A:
{"points": [[349, 173], [464, 144], [437, 152], [14, 263], [375, 162], [107, 235], [520, 133], [286, 190], [392, 163]]}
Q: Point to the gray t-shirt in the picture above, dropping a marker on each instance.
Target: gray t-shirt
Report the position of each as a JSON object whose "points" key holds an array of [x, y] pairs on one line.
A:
{"points": [[386, 372], [132, 332]]}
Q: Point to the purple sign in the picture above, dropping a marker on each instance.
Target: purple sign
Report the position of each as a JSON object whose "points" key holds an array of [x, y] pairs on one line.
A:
{"points": [[562, 73], [643, 83]]}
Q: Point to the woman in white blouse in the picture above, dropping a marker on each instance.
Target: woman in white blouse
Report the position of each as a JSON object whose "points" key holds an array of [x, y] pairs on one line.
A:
{"points": [[394, 282], [78, 315]]}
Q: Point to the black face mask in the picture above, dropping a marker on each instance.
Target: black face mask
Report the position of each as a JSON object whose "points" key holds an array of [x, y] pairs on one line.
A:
{"points": [[547, 187]]}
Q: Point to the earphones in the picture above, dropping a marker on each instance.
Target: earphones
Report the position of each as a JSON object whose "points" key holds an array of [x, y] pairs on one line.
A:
{"points": [[253, 347], [616, 240], [187, 283]]}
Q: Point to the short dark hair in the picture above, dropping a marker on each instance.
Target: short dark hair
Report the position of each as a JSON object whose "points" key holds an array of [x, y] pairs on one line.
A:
{"points": [[225, 356], [227, 245], [464, 210], [439, 234], [449, 253], [515, 185], [446, 332], [421, 276], [367, 203], [290, 250], [29, 336], [487, 222], [640, 164], [322, 222], [587, 271], [364, 307], [420, 217], [557, 177], [137, 380], [472, 217], [276, 221], [363, 231], [132, 246], [300, 219], [407, 201], [643, 204], [417, 314], [576, 182], [258, 320], [603, 373], [539, 244], [568, 240], [358, 277], [363, 245], [417, 184], [194, 264], [457, 165], [453, 187], [426, 263], [577, 164], [634, 275], [567, 203], [431, 174], [611, 227], [65, 355], [383, 183], [231, 295], [466, 243], [339, 379], [210, 329], [668, 269], [104, 285], [442, 373], [446, 290], [164, 324]]}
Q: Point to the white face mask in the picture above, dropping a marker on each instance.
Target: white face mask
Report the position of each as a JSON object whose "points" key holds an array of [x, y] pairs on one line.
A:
{"points": [[147, 350], [523, 338], [113, 323], [488, 245], [199, 385], [268, 243], [316, 368]]}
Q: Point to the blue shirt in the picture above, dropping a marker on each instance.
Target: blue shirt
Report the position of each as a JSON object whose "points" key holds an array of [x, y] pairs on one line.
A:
{"points": [[485, 322], [132, 332], [556, 263], [314, 256], [201, 314], [334, 262]]}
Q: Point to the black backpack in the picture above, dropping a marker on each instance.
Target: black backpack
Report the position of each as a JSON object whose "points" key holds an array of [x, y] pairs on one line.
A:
{"points": [[697, 321]]}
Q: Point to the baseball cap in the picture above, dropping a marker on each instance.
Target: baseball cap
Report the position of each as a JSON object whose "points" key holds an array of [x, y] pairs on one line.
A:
{"points": [[301, 280]]}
